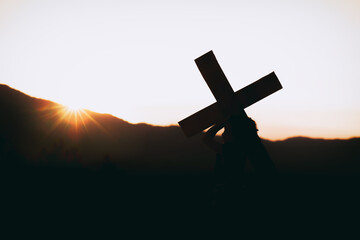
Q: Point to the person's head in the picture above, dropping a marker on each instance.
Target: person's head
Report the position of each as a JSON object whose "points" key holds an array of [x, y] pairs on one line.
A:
{"points": [[237, 127]]}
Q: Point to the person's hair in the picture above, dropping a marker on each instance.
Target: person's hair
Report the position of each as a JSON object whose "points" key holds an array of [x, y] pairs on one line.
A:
{"points": [[240, 126]]}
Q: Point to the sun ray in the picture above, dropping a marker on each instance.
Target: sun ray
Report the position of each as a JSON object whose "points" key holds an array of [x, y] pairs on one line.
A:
{"points": [[72, 118], [96, 123]]}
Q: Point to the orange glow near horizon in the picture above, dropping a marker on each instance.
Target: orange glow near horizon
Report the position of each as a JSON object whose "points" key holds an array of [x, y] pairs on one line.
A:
{"points": [[73, 115], [77, 119], [74, 119]]}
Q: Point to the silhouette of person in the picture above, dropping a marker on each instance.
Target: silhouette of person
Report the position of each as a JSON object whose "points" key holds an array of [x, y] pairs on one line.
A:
{"points": [[240, 142]]}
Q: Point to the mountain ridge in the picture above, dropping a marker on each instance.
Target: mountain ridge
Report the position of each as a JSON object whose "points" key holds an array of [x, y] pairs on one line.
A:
{"points": [[39, 130], [8, 88], [108, 169]]}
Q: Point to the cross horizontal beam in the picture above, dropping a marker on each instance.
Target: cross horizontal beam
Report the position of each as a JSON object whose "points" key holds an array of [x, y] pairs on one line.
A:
{"points": [[245, 97]]}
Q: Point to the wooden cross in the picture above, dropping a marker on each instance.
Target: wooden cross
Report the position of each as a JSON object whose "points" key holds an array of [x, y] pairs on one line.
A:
{"points": [[224, 94]]}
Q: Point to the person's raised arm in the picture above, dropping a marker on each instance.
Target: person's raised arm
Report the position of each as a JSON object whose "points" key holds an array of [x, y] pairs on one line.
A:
{"points": [[210, 135]]}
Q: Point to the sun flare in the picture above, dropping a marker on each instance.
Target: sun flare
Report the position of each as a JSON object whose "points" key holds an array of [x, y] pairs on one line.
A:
{"points": [[77, 118], [73, 108], [73, 115]]}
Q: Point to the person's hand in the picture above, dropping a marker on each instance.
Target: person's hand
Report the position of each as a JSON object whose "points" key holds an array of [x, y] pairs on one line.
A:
{"points": [[208, 137]]}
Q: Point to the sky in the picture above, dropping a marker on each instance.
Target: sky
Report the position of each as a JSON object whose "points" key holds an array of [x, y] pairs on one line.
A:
{"points": [[135, 59]]}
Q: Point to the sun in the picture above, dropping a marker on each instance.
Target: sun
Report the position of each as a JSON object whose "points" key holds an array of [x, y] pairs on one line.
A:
{"points": [[73, 108], [74, 120], [73, 114]]}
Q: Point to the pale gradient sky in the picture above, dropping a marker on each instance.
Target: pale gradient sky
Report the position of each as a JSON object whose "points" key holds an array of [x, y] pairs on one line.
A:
{"points": [[134, 59]]}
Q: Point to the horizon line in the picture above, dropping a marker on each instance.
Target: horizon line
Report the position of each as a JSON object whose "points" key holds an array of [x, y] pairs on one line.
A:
{"points": [[177, 125]]}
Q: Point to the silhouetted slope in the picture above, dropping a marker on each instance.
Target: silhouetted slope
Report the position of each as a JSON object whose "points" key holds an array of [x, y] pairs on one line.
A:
{"points": [[34, 131], [97, 174], [308, 155]]}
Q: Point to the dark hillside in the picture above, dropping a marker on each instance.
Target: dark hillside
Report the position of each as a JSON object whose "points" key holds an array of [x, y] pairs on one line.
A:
{"points": [[104, 170], [36, 130]]}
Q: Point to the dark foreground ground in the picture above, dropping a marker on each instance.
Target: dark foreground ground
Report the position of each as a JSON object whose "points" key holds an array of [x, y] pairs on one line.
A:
{"points": [[107, 201]]}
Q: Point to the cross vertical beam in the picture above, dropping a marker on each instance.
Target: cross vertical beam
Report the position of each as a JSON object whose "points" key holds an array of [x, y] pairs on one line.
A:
{"points": [[214, 77]]}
